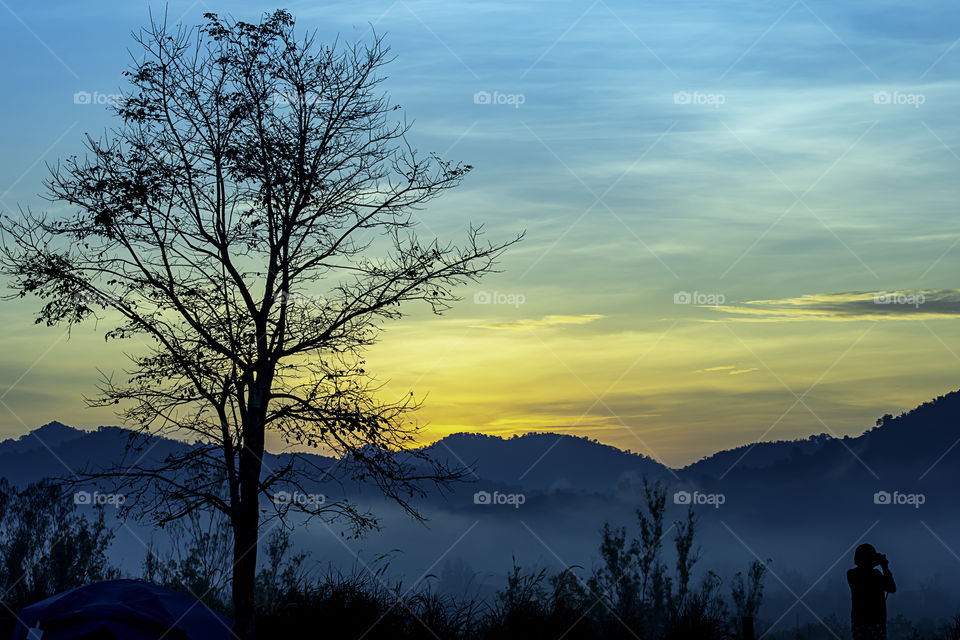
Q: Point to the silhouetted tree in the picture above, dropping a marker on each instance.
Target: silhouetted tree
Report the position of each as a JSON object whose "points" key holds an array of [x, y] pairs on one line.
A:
{"points": [[636, 586], [46, 547], [251, 221], [747, 596], [283, 573], [197, 559], [950, 630]]}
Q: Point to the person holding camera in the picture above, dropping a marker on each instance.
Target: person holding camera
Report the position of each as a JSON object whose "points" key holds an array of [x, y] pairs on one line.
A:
{"points": [[868, 592]]}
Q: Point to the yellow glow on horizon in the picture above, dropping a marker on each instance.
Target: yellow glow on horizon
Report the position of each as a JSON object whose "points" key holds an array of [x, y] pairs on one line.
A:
{"points": [[671, 389]]}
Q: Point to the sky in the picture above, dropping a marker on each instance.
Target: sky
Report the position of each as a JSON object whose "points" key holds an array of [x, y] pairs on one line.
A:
{"points": [[740, 216]]}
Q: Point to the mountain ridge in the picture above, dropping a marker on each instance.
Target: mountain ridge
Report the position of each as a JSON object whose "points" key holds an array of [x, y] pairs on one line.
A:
{"points": [[547, 461]]}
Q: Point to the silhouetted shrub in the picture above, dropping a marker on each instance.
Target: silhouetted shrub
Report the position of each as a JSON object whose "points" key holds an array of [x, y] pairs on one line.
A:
{"points": [[950, 630], [641, 596], [198, 560], [633, 593], [45, 547]]}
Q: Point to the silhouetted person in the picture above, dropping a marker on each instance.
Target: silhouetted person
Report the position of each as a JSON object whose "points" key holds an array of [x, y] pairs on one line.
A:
{"points": [[868, 591]]}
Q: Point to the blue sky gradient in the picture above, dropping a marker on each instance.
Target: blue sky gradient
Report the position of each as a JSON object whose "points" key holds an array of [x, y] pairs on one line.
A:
{"points": [[791, 159]]}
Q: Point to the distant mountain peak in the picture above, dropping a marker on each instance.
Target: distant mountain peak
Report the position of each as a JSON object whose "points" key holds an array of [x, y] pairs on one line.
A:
{"points": [[544, 460], [52, 434], [54, 427], [946, 405], [530, 437]]}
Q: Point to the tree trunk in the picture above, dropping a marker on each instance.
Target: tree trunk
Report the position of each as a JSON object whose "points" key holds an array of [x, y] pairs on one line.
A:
{"points": [[245, 540], [748, 633], [246, 530]]}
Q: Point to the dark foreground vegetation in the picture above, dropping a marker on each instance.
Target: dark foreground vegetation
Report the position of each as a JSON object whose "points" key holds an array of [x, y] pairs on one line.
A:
{"points": [[46, 547]]}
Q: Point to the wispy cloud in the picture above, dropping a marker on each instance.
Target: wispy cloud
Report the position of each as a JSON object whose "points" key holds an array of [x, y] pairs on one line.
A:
{"points": [[545, 321], [728, 369], [848, 306]]}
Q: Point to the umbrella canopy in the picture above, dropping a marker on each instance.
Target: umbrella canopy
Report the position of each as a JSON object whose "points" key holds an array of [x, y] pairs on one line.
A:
{"points": [[127, 609]]}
